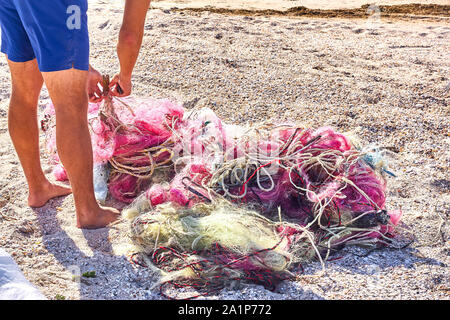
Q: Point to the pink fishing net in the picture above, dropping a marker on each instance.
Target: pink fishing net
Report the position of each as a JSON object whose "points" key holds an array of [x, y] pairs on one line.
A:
{"points": [[295, 168], [132, 140], [316, 178]]}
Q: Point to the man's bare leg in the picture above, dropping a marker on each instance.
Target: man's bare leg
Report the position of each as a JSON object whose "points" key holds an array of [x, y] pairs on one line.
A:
{"points": [[68, 91], [24, 131]]}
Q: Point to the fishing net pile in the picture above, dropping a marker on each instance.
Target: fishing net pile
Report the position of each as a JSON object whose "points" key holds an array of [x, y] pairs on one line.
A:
{"points": [[129, 144], [235, 203]]}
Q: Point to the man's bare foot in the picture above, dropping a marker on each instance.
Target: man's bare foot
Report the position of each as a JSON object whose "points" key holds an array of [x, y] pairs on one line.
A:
{"points": [[38, 198], [97, 219]]}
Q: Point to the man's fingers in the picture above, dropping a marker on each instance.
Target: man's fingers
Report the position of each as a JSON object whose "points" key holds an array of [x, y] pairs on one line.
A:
{"points": [[118, 87], [95, 93], [114, 81], [92, 98], [115, 92], [98, 92], [95, 97]]}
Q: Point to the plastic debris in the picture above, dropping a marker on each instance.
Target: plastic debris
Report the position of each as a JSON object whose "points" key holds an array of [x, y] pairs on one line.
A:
{"points": [[101, 177]]}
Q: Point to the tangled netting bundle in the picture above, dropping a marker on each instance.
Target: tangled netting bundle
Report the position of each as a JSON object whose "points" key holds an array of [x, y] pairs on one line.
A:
{"points": [[132, 142], [238, 203]]}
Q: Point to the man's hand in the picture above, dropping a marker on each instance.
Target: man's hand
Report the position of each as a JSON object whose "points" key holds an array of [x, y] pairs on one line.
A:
{"points": [[94, 79], [120, 86]]}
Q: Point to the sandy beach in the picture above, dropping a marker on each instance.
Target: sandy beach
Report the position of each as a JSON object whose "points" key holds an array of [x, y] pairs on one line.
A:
{"points": [[385, 79], [283, 4]]}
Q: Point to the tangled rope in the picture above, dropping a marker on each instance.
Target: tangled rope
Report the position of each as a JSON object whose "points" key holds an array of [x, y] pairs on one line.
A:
{"points": [[240, 204]]}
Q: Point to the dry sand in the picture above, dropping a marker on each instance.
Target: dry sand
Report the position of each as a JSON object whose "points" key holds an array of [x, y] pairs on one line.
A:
{"points": [[388, 80]]}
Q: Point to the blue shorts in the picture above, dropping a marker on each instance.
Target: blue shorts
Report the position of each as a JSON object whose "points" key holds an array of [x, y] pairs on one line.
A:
{"points": [[54, 32]]}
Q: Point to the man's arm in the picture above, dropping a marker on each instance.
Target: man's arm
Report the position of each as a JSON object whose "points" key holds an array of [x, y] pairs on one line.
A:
{"points": [[130, 40]]}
